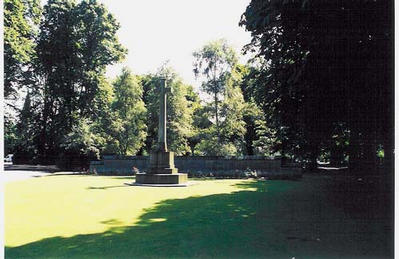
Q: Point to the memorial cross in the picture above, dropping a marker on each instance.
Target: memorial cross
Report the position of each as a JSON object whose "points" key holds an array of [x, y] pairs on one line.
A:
{"points": [[162, 146]]}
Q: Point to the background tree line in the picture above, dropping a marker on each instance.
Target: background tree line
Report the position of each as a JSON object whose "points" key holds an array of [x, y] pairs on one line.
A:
{"points": [[319, 86]]}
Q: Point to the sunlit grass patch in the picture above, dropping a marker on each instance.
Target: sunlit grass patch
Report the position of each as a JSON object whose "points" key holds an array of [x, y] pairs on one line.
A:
{"points": [[71, 205]]}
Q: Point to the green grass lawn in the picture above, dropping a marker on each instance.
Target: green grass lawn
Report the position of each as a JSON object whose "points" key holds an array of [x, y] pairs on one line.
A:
{"points": [[100, 217]]}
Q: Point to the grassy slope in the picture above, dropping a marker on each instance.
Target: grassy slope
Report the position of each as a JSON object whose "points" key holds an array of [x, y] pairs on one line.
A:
{"points": [[100, 217]]}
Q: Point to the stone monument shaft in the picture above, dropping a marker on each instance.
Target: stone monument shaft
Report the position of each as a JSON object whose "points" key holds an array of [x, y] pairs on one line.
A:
{"points": [[162, 146]]}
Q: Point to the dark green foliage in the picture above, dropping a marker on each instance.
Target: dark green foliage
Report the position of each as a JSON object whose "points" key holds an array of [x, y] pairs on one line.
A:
{"points": [[27, 134], [21, 18], [75, 44], [10, 137], [325, 65], [127, 122], [80, 146], [214, 62]]}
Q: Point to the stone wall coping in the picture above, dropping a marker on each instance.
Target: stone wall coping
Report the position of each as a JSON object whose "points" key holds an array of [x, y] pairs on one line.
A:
{"points": [[115, 157]]}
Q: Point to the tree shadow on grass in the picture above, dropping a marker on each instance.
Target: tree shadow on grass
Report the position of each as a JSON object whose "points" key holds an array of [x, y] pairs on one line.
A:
{"points": [[269, 219]]}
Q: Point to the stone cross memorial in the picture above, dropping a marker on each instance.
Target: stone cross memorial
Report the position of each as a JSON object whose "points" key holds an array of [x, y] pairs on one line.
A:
{"points": [[162, 169]]}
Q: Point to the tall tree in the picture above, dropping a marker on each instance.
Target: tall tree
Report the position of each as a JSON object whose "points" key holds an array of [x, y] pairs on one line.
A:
{"points": [[227, 138], [214, 61], [258, 139], [97, 47], [75, 44], [232, 126], [316, 78], [129, 125]]}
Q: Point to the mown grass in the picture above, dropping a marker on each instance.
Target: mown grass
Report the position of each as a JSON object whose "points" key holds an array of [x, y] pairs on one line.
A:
{"points": [[100, 217]]}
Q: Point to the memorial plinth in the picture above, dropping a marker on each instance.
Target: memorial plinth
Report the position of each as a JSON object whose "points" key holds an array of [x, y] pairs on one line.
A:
{"points": [[162, 168]]}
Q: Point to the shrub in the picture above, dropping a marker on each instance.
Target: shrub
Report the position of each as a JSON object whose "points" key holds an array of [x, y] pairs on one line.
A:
{"points": [[80, 147]]}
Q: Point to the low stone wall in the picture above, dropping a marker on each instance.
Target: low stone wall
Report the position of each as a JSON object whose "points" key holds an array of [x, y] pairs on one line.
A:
{"points": [[199, 165]]}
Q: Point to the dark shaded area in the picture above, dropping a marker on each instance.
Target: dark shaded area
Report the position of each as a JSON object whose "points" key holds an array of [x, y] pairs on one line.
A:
{"points": [[326, 86], [317, 217]]}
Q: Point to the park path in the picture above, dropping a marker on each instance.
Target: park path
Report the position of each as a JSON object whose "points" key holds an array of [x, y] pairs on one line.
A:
{"points": [[13, 173]]}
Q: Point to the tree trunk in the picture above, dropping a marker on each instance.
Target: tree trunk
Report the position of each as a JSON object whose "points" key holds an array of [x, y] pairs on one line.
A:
{"points": [[192, 147], [354, 148], [388, 153], [249, 136], [314, 153], [337, 155], [369, 158]]}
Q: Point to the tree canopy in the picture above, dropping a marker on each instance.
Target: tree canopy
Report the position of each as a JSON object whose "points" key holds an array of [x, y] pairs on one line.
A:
{"points": [[75, 44], [214, 61], [326, 68], [128, 121], [21, 18]]}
